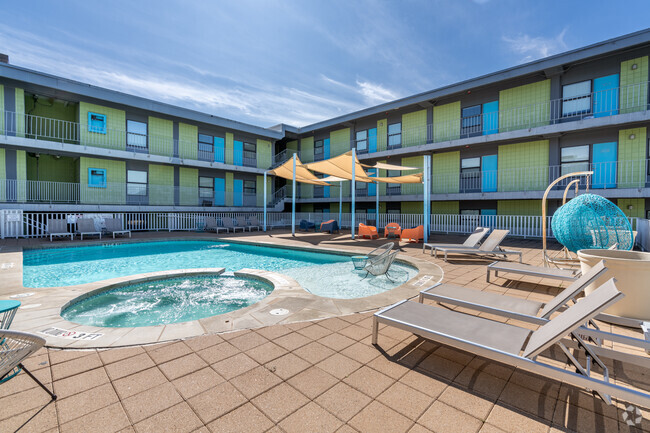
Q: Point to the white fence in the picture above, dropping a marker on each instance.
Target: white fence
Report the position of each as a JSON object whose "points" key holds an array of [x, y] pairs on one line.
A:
{"points": [[34, 225]]}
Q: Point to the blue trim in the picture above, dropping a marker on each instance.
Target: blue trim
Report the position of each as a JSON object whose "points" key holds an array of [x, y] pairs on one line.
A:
{"points": [[97, 177], [491, 117], [96, 123], [219, 149]]}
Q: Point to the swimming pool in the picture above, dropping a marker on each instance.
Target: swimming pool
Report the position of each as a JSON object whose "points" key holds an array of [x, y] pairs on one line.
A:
{"points": [[320, 273]]}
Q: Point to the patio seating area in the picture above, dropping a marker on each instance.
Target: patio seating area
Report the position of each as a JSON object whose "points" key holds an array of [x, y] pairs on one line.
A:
{"points": [[319, 376]]}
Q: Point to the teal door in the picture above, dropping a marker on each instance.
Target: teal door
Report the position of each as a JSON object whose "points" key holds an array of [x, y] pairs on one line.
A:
{"points": [[219, 150], [604, 164], [238, 153], [326, 148], [372, 187], [372, 140], [219, 191], [606, 96], [491, 117], [489, 166], [238, 193]]}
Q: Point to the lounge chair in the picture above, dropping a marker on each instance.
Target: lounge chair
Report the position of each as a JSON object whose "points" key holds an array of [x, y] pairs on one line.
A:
{"points": [[86, 226], [536, 271], [212, 226], [415, 234], [472, 240], [253, 223], [369, 232], [329, 226], [58, 227], [392, 230], [114, 227], [306, 225], [15, 347], [489, 248], [230, 223], [380, 265], [520, 347]]}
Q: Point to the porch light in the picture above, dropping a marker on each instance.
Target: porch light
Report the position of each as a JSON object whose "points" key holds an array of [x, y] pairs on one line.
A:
{"points": [[634, 66], [632, 136]]}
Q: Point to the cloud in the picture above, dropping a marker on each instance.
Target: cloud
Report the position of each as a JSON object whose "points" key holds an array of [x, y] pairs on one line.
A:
{"points": [[533, 48], [375, 93]]}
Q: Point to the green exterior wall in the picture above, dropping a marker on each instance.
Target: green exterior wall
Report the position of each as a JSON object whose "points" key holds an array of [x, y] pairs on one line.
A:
{"points": [[414, 128], [334, 208], [306, 190], [634, 85], [188, 141], [446, 122], [229, 145], [382, 186], [411, 207], [259, 188], [161, 185], [161, 136], [382, 134], [2, 112], [48, 168], [230, 187], [263, 153], [115, 191], [20, 112], [3, 172], [307, 149], [519, 207], [339, 142], [445, 207], [52, 108], [527, 105], [188, 180], [523, 166], [445, 172], [638, 207], [412, 161], [631, 157], [115, 137], [21, 174]]}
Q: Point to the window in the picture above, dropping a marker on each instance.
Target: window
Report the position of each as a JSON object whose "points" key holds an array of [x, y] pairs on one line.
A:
{"points": [[395, 135], [575, 158], [361, 189], [250, 157], [136, 182], [471, 121], [470, 212], [97, 177], [249, 187], [470, 174], [362, 141], [96, 123], [319, 150], [576, 98], [206, 187], [393, 188], [206, 147], [136, 134]]}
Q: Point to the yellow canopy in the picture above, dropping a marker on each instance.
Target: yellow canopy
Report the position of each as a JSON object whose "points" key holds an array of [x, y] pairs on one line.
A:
{"points": [[409, 178], [385, 166], [302, 174], [340, 166]]}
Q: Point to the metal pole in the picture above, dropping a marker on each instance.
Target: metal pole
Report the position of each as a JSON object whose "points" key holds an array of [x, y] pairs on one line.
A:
{"points": [[340, 204], [264, 201], [353, 192], [293, 200], [377, 200], [425, 191]]}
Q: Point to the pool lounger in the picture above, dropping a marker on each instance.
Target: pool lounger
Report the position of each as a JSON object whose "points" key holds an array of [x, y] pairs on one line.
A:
{"points": [[472, 240], [86, 226], [114, 227], [536, 271], [229, 223], [58, 227], [212, 226], [515, 346], [491, 247]]}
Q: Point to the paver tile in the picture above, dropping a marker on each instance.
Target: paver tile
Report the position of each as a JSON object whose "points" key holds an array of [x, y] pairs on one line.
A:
{"points": [[287, 366], [129, 366], [138, 382], [75, 384], [379, 418], [513, 421], [441, 417], [266, 352], [343, 401], [197, 382], [142, 406], [203, 341], [75, 366], [248, 341], [234, 366], [246, 418], [216, 401], [181, 366], [255, 381], [218, 352], [279, 402], [405, 400], [369, 381], [477, 406], [336, 342], [107, 420], [292, 341], [313, 382], [85, 402], [310, 418], [113, 355], [177, 419], [338, 365], [313, 352], [314, 332]]}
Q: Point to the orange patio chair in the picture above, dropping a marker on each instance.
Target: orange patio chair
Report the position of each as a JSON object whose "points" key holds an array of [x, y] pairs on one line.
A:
{"points": [[392, 230], [368, 231], [416, 234]]}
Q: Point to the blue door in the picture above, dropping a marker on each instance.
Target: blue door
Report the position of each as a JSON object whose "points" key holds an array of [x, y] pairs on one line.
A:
{"points": [[489, 165], [219, 150], [238, 153], [372, 187], [606, 96], [326, 191], [326, 148], [491, 117], [604, 165], [219, 191], [372, 140], [238, 193]]}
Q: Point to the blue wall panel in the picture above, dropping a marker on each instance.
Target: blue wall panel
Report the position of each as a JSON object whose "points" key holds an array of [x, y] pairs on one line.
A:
{"points": [[326, 148], [219, 191], [372, 187], [489, 175], [491, 117], [238, 153], [604, 165], [606, 96], [372, 140], [219, 149], [238, 192]]}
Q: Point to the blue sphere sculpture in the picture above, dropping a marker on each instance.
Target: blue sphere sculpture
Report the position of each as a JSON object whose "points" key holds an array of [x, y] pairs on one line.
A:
{"points": [[591, 221]]}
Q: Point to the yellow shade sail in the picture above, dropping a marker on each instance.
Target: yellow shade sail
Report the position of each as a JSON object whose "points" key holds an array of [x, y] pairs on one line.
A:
{"points": [[385, 166], [409, 178], [302, 174], [341, 167]]}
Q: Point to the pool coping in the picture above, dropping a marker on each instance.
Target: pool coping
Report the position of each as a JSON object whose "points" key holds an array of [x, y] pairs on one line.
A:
{"points": [[287, 294]]}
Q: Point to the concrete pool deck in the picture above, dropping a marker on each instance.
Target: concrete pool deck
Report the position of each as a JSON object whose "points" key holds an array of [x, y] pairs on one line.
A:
{"points": [[312, 376]]}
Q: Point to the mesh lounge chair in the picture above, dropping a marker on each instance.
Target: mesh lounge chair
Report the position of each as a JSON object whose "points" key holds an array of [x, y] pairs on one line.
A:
{"points": [[58, 227], [253, 223], [212, 226], [15, 347], [114, 227], [380, 265], [392, 230], [516, 346], [472, 240], [489, 248], [86, 226], [536, 271], [329, 226], [368, 231], [229, 223]]}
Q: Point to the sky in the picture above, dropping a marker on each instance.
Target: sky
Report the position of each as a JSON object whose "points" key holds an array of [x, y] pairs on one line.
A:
{"points": [[298, 62]]}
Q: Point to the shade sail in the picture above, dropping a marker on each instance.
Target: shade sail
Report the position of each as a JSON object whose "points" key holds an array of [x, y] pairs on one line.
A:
{"points": [[409, 178], [340, 166], [385, 166], [302, 174]]}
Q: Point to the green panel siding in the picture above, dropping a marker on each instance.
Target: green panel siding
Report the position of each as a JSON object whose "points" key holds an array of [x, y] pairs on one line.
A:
{"points": [[307, 149], [161, 136], [525, 106], [411, 207], [188, 141], [445, 172], [306, 207], [52, 108], [445, 207], [382, 134], [383, 173], [230, 144], [382, 209], [638, 207], [519, 207], [334, 208], [21, 174], [188, 180], [3, 171], [414, 128], [523, 166], [161, 184], [306, 190], [339, 142], [2, 115], [412, 161], [259, 188], [230, 185], [263, 153], [446, 122], [631, 157], [115, 137], [51, 169], [20, 112], [115, 191], [634, 85], [292, 146]]}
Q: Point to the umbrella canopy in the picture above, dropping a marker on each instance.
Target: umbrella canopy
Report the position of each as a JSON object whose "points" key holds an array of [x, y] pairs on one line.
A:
{"points": [[302, 174]]}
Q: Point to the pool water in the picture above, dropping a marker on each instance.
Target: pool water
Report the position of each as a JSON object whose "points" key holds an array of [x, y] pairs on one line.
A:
{"points": [[169, 300]]}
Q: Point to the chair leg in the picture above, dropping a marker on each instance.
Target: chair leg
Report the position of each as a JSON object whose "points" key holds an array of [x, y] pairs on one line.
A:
{"points": [[37, 381]]}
